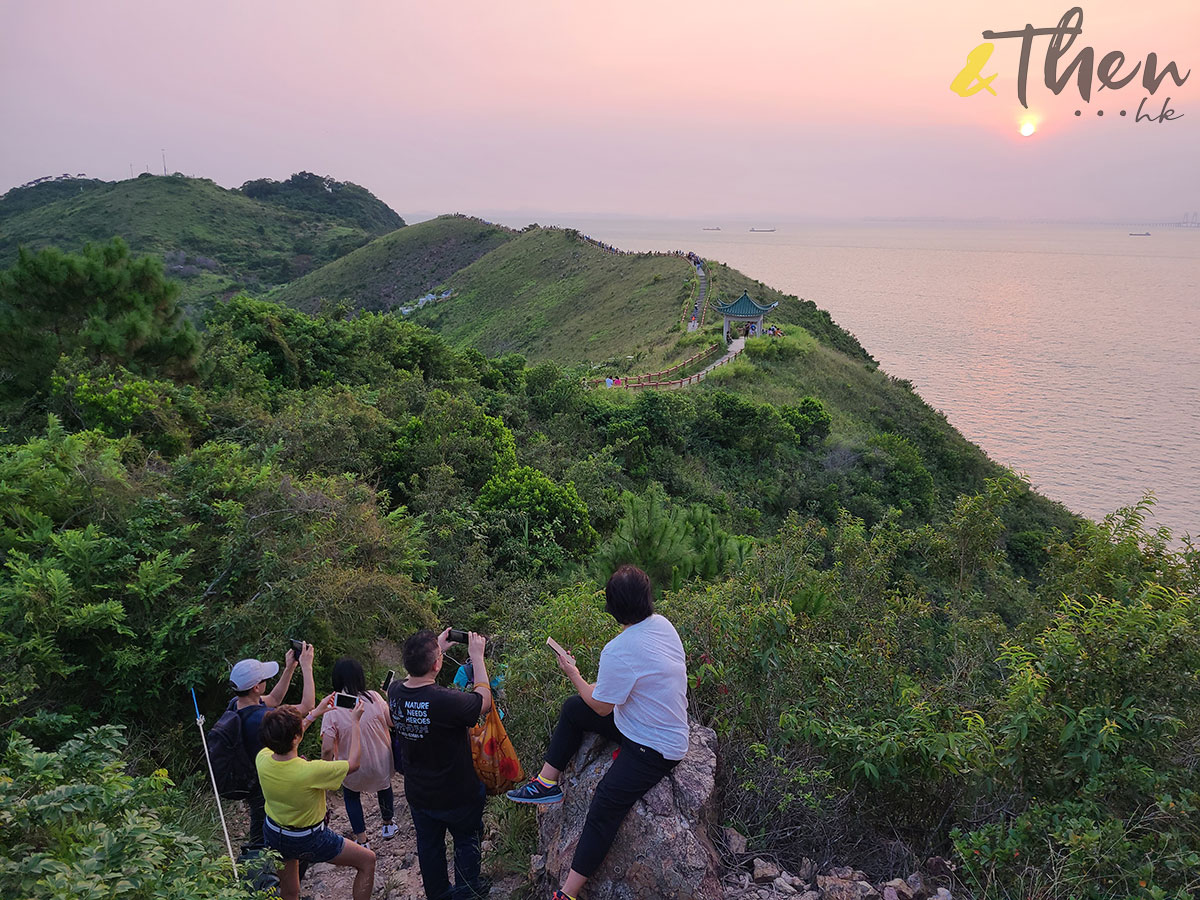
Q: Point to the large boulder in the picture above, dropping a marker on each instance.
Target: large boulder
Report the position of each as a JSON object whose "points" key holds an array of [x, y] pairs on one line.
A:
{"points": [[663, 849]]}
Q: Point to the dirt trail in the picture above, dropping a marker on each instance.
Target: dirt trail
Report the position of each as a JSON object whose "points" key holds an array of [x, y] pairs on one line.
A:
{"points": [[397, 875]]}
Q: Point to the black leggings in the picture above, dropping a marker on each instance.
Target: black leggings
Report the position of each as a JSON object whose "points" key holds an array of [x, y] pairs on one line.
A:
{"points": [[636, 769]]}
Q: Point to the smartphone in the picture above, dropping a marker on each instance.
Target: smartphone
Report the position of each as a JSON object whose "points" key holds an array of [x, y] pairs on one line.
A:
{"points": [[557, 648], [345, 701], [387, 681], [297, 647], [458, 637]]}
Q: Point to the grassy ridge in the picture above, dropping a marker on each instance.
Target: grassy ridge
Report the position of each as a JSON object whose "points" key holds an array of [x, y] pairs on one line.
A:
{"points": [[551, 296], [237, 242], [399, 267]]}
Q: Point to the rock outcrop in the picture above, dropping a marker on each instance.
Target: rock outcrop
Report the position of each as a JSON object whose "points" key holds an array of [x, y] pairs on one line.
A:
{"points": [[663, 849], [838, 883]]}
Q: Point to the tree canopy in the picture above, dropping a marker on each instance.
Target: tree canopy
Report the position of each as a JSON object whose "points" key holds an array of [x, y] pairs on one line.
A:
{"points": [[103, 304]]}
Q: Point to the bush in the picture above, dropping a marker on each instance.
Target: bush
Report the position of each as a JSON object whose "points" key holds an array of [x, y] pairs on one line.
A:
{"points": [[548, 519], [809, 420], [74, 825]]}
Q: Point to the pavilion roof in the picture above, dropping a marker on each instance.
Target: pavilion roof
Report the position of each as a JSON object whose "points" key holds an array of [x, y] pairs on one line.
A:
{"points": [[744, 306]]}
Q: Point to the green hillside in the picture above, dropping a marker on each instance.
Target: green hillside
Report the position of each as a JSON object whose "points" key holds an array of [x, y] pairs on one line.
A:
{"points": [[213, 239], [552, 296], [35, 194], [901, 655], [399, 267], [322, 195]]}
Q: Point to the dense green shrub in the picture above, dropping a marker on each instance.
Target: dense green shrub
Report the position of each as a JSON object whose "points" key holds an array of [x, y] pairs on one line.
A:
{"points": [[549, 519], [74, 825], [809, 419], [127, 582]]}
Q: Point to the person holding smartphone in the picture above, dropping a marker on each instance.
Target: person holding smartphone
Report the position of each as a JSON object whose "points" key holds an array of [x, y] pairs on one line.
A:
{"points": [[251, 701], [294, 789], [440, 784], [639, 701], [375, 768]]}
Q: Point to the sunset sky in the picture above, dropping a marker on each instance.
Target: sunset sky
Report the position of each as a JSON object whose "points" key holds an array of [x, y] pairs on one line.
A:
{"points": [[787, 108]]}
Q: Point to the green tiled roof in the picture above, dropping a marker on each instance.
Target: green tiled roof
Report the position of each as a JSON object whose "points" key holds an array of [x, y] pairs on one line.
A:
{"points": [[744, 306]]}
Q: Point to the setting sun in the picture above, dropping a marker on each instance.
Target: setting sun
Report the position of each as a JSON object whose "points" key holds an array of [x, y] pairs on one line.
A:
{"points": [[1028, 128]]}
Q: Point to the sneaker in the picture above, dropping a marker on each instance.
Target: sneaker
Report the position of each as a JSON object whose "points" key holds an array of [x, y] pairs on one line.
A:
{"points": [[536, 792], [559, 895], [389, 831]]}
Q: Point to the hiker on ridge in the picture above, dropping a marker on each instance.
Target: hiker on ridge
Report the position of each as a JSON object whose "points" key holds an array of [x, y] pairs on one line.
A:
{"points": [[639, 701]]}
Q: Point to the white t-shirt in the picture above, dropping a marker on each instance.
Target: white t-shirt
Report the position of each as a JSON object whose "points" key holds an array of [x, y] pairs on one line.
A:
{"points": [[643, 673]]}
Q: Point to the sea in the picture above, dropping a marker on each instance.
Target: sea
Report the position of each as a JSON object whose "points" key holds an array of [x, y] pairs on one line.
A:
{"points": [[1069, 353]]}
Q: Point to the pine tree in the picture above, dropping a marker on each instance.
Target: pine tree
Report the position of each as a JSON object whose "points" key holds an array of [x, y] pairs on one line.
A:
{"points": [[102, 303]]}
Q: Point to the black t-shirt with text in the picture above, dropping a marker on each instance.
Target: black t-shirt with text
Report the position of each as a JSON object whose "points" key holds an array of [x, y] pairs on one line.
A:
{"points": [[432, 723]]}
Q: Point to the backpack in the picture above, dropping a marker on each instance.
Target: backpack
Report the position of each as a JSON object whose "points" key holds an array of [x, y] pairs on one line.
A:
{"points": [[233, 769]]}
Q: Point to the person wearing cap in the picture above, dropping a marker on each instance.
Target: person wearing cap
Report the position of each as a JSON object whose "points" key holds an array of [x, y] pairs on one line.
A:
{"points": [[251, 701]]}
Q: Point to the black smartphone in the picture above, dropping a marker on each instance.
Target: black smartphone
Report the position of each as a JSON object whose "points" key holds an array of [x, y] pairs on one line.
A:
{"points": [[344, 701], [297, 647], [458, 637], [387, 681]]}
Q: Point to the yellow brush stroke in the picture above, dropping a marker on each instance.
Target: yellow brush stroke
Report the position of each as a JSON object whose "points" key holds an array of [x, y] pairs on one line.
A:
{"points": [[971, 79]]}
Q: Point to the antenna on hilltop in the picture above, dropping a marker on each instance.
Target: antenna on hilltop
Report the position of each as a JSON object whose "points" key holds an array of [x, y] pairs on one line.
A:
{"points": [[164, 156]]}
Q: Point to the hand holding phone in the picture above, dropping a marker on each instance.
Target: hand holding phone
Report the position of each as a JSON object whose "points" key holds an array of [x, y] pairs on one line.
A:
{"points": [[457, 637], [387, 682], [297, 647], [344, 701]]}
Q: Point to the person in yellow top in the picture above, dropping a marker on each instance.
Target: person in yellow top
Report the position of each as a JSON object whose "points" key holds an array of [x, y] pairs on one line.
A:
{"points": [[294, 790]]}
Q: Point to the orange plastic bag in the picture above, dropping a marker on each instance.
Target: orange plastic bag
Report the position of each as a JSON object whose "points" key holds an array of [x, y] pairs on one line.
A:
{"points": [[495, 757]]}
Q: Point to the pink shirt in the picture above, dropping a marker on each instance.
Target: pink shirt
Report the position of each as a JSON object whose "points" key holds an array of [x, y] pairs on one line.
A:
{"points": [[375, 764]]}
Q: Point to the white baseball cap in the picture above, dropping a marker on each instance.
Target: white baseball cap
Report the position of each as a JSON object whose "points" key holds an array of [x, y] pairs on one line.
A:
{"points": [[249, 672]]}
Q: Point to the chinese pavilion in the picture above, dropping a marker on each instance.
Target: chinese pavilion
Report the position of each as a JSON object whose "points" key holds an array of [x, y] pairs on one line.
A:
{"points": [[744, 309]]}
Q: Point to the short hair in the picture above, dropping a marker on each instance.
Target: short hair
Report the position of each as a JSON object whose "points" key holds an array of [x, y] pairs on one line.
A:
{"points": [[627, 595], [420, 653], [280, 727], [348, 676]]}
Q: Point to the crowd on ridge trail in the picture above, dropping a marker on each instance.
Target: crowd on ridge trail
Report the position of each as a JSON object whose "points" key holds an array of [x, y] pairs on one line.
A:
{"points": [[421, 729]]}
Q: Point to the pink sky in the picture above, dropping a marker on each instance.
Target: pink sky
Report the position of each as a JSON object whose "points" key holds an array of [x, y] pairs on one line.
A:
{"points": [[785, 108]]}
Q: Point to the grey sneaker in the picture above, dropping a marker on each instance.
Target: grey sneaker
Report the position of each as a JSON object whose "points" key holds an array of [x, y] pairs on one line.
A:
{"points": [[536, 792]]}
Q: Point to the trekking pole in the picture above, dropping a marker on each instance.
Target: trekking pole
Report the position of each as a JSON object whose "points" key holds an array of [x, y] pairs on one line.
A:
{"points": [[216, 793]]}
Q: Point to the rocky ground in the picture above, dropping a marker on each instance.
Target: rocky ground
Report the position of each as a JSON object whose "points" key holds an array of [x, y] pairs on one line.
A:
{"points": [[762, 879], [651, 860]]}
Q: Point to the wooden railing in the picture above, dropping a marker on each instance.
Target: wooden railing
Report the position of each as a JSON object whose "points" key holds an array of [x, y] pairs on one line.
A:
{"points": [[638, 380], [685, 382]]}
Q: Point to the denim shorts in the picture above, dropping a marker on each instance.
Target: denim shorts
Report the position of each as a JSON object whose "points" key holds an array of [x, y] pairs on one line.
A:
{"points": [[314, 845]]}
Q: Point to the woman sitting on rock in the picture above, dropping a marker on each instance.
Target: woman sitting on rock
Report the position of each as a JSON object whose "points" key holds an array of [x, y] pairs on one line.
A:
{"points": [[639, 701], [294, 791]]}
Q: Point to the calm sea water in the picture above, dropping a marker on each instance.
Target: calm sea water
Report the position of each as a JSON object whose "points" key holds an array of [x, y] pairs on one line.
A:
{"points": [[1069, 353]]}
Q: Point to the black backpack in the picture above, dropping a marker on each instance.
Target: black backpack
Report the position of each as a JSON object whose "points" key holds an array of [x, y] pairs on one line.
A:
{"points": [[232, 767]]}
